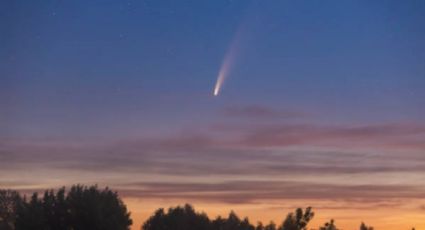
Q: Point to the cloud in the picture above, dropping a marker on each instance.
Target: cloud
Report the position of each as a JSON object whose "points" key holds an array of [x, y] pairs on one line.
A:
{"points": [[347, 204], [243, 163], [259, 191], [260, 112], [406, 136], [253, 149]]}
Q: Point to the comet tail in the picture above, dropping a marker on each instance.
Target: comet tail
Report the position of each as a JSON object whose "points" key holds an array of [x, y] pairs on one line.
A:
{"points": [[227, 63]]}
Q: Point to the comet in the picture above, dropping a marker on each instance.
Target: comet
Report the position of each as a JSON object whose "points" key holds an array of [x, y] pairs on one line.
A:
{"points": [[221, 76], [227, 63]]}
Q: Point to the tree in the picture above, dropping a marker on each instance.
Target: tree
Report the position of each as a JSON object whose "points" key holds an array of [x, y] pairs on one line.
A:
{"points": [[218, 223], [9, 202], [245, 225], [270, 226], [81, 208], [329, 226], [30, 215], [56, 209], [91, 208], [298, 220], [363, 226], [259, 226], [232, 222], [184, 218]]}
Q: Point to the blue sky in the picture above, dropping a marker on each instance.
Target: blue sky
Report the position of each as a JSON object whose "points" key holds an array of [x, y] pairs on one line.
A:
{"points": [[350, 61]]}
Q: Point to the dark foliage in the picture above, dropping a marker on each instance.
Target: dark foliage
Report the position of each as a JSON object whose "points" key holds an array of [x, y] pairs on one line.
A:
{"points": [[232, 222], [83, 208], [270, 226], [179, 218], [185, 218], [9, 202], [80, 209], [363, 226], [298, 220], [90, 208], [329, 226]]}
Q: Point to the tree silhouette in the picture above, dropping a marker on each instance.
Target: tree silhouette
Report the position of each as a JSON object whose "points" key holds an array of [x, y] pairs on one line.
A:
{"points": [[245, 225], [232, 222], [218, 223], [81, 208], [298, 220], [90, 208], [9, 202], [30, 215], [363, 226], [184, 218], [270, 226], [56, 209], [329, 226], [259, 226]]}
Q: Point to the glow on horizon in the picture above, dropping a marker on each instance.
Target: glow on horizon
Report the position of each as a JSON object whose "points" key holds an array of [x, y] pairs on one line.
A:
{"points": [[378, 217]]}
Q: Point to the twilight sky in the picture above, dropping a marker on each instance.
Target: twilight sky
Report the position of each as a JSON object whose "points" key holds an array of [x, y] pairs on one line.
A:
{"points": [[323, 105]]}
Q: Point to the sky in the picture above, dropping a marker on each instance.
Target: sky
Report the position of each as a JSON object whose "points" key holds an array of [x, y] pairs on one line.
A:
{"points": [[322, 105]]}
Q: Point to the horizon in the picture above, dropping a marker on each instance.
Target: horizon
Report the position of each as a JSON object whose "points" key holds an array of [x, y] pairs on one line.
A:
{"points": [[251, 106]]}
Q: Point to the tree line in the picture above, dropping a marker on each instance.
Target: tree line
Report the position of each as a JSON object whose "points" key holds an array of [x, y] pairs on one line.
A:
{"points": [[80, 208], [186, 218], [91, 208]]}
